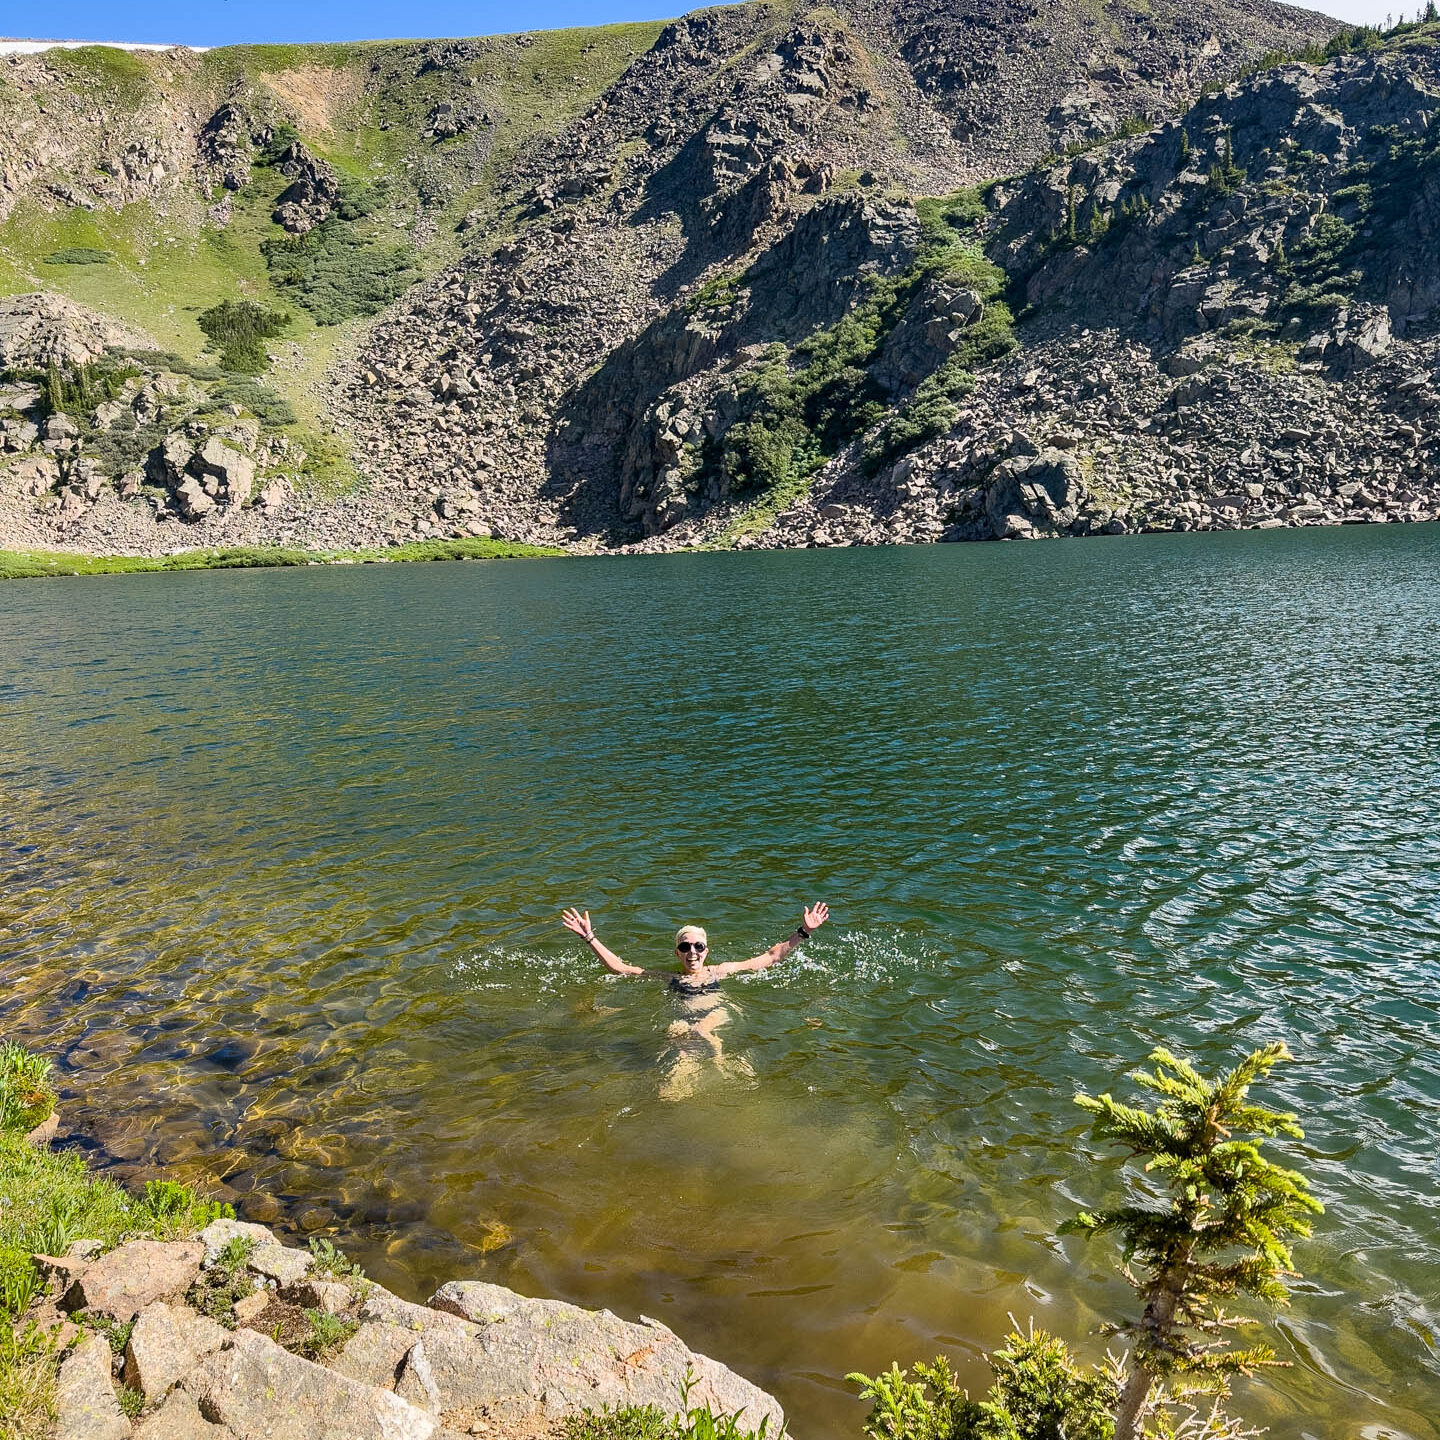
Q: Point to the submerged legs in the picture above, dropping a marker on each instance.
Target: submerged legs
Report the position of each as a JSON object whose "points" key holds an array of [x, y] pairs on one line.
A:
{"points": [[697, 1042]]}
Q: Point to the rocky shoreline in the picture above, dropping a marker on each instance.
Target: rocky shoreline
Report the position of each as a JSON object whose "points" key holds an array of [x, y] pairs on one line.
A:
{"points": [[233, 1335]]}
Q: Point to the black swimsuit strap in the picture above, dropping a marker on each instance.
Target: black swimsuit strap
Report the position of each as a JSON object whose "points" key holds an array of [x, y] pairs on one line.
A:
{"points": [[680, 988]]}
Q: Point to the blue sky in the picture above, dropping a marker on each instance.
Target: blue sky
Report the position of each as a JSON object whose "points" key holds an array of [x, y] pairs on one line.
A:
{"points": [[224, 22]]}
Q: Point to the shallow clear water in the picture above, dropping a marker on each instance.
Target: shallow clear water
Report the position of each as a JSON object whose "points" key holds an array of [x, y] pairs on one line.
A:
{"points": [[282, 856]]}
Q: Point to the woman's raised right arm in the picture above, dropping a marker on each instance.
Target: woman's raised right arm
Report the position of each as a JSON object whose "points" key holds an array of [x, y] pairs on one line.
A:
{"points": [[579, 922]]}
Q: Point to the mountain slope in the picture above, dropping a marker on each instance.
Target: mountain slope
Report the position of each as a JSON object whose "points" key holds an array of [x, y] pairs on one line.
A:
{"points": [[552, 211]]}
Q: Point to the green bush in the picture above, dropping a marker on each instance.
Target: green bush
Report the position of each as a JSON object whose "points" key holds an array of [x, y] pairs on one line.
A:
{"points": [[76, 390], [282, 136], [333, 1261], [78, 255], [1040, 1392], [26, 1095], [237, 330], [942, 216], [116, 1332], [259, 399], [1227, 176], [336, 273], [802, 407], [932, 410], [1315, 261], [326, 1335], [226, 1281], [124, 446]]}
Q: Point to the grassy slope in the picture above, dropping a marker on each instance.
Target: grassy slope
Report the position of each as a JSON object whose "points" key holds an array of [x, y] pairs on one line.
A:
{"points": [[40, 564], [167, 267]]}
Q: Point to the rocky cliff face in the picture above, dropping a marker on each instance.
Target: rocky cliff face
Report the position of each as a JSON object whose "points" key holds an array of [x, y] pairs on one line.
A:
{"points": [[577, 345], [1232, 320], [706, 301]]}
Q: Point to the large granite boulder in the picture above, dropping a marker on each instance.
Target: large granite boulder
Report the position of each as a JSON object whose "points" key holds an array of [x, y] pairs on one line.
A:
{"points": [[544, 1356], [1035, 493], [121, 1284]]}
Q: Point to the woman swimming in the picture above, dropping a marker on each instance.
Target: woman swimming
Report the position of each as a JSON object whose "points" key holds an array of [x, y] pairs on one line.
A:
{"points": [[697, 983]]}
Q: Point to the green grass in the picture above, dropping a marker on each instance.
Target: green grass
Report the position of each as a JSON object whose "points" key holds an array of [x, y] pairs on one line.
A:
{"points": [[27, 1098], [326, 1335], [218, 1288], [37, 564], [48, 1201], [647, 1422], [27, 1384], [122, 75]]}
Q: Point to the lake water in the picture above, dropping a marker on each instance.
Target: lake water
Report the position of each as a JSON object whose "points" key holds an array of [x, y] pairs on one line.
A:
{"points": [[282, 856]]}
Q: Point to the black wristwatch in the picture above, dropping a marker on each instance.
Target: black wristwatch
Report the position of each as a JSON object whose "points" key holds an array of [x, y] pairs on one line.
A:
{"points": [[802, 931]]}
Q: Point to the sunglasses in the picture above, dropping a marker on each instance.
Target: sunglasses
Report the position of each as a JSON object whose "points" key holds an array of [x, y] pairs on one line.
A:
{"points": [[685, 947]]}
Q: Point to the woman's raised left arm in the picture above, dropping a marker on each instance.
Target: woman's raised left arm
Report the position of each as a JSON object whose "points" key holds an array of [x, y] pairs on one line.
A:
{"points": [[811, 920]]}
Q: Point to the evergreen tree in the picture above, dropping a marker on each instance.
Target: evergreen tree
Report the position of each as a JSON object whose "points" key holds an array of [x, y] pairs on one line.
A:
{"points": [[54, 390], [1070, 215], [1225, 1231], [1196, 257], [1184, 147]]}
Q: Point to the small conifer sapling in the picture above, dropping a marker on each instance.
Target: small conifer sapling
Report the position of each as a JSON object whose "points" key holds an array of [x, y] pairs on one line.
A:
{"points": [[1225, 1231]]}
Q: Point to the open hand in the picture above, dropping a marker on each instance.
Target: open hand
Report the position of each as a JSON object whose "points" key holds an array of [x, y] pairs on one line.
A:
{"points": [[579, 923], [816, 916]]}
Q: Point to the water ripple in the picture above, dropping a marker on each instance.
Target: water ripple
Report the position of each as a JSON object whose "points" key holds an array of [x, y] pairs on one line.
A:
{"points": [[281, 857]]}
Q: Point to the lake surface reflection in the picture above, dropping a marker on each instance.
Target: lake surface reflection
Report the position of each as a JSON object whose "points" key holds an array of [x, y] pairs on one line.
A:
{"points": [[282, 857]]}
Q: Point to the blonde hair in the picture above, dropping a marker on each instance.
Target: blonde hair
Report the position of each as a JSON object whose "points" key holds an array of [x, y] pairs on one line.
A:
{"points": [[692, 932]]}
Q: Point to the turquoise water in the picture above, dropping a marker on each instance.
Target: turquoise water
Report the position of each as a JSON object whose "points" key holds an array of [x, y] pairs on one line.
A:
{"points": [[282, 856]]}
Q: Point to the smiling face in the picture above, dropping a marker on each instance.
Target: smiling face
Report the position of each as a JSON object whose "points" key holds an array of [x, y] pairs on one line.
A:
{"points": [[692, 946]]}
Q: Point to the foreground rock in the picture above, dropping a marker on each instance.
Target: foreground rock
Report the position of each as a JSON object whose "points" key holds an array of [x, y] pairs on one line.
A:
{"points": [[86, 1406], [477, 1359], [121, 1284], [255, 1389]]}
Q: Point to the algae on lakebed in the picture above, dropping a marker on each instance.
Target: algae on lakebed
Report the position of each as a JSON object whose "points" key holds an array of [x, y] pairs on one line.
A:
{"points": [[36, 564]]}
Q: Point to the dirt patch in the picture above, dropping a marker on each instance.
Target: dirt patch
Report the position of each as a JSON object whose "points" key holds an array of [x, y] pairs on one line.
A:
{"points": [[480, 1422], [318, 94], [290, 1327]]}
